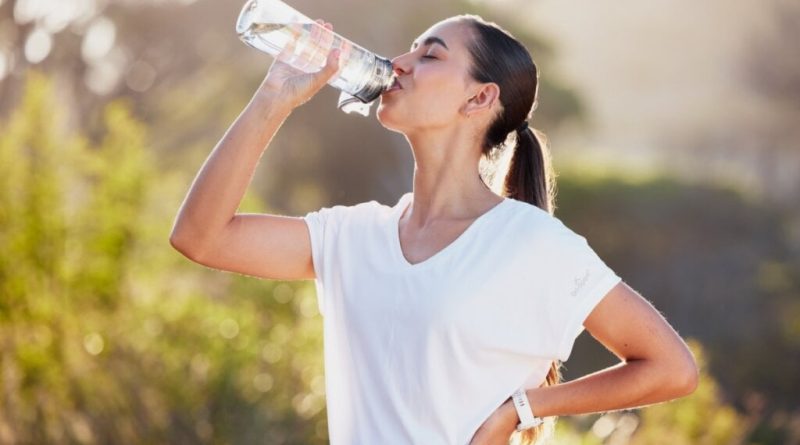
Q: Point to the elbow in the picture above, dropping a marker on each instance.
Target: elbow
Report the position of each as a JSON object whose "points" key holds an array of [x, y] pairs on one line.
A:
{"points": [[182, 243], [192, 241], [177, 243], [685, 379], [673, 378]]}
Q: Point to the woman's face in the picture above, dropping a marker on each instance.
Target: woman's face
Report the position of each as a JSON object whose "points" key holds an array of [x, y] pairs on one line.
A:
{"points": [[434, 79]]}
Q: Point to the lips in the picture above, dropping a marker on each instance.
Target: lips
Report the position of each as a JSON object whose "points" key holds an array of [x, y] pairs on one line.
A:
{"points": [[395, 86]]}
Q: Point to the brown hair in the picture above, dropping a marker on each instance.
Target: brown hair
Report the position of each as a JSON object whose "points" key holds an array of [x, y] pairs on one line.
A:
{"points": [[529, 175]]}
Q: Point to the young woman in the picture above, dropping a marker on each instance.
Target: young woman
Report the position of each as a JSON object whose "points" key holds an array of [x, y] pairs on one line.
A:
{"points": [[439, 308]]}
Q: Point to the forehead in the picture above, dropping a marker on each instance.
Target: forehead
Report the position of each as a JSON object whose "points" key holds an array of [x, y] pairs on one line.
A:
{"points": [[451, 34]]}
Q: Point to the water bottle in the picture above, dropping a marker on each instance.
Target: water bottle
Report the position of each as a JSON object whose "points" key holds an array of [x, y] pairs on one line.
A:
{"points": [[270, 25]]}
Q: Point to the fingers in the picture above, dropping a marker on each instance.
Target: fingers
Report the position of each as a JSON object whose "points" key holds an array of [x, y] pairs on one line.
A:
{"points": [[323, 38], [325, 24], [332, 60], [287, 53], [330, 68]]}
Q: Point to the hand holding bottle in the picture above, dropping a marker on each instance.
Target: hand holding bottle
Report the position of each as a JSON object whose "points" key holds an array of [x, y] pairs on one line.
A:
{"points": [[276, 28], [294, 86]]}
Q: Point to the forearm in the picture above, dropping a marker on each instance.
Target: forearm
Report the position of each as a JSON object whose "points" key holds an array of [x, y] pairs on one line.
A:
{"points": [[221, 183], [630, 384]]}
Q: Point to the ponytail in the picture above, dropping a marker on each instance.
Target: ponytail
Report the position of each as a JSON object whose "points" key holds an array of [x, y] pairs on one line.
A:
{"points": [[530, 177]]}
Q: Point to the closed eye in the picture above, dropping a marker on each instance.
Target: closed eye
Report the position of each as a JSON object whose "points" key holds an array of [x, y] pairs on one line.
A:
{"points": [[428, 57]]}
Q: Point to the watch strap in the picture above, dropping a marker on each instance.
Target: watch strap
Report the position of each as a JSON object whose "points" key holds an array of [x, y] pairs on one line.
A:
{"points": [[524, 411]]}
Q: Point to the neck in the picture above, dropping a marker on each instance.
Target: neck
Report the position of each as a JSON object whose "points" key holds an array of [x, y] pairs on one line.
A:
{"points": [[447, 185]]}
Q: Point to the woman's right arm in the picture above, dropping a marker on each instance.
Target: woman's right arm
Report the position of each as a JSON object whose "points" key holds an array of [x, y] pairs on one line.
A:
{"points": [[208, 230]]}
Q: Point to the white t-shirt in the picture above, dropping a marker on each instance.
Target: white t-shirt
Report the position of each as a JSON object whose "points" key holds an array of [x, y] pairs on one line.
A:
{"points": [[424, 353]]}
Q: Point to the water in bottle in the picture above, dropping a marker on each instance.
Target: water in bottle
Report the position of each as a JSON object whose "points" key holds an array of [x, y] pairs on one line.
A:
{"points": [[272, 25]]}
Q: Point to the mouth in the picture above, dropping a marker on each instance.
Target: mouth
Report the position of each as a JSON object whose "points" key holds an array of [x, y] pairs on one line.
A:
{"points": [[395, 86]]}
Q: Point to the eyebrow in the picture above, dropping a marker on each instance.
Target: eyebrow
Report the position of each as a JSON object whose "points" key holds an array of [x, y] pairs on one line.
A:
{"points": [[430, 41]]}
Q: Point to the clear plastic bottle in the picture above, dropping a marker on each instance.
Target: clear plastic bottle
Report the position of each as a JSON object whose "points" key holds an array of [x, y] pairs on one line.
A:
{"points": [[271, 25]]}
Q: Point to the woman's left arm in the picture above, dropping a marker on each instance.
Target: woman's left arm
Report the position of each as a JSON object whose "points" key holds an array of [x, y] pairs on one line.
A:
{"points": [[656, 365]]}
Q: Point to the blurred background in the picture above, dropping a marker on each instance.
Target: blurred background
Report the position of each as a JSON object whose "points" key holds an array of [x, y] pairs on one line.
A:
{"points": [[674, 131]]}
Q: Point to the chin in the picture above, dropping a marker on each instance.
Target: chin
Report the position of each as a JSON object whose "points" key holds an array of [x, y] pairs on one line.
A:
{"points": [[384, 116], [393, 117]]}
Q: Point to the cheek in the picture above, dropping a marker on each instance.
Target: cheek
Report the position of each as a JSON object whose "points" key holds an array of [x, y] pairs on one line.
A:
{"points": [[438, 105], [444, 93]]}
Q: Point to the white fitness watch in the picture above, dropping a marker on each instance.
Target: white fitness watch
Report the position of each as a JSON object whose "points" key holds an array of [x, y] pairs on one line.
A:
{"points": [[524, 411]]}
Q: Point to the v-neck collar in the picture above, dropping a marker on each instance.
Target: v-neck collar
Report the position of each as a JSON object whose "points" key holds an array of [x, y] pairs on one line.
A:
{"points": [[397, 249]]}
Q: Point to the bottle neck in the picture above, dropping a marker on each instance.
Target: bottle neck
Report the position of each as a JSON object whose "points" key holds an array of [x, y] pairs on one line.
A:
{"points": [[380, 80]]}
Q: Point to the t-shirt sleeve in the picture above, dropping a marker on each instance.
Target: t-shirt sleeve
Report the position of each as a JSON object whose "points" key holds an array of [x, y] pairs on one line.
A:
{"points": [[324, 226], [576, 280]]}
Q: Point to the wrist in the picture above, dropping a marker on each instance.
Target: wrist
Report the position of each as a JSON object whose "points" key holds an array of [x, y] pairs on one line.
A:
{"points": [[526, 415], [509, 415], [272, 101]]}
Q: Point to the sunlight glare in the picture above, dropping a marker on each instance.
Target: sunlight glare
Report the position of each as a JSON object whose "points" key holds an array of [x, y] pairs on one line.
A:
{"points": [[99, 39], [103, 76], [38, 46], [93, 343], [54, 15], [604, 426]]}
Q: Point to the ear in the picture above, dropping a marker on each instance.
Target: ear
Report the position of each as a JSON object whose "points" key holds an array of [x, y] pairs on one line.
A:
{"points": [[483, 99]]}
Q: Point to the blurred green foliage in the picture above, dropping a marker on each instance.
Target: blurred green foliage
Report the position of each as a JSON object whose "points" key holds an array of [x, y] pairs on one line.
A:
{"points": [[108, 335]]}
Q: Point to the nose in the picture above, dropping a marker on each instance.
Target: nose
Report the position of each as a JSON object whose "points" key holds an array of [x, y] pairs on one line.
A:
{"points": [[398, 66]]}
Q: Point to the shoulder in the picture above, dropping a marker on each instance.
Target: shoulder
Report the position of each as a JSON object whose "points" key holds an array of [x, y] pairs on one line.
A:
{"points": [[341, 214], [535, 223], [539, 231]]}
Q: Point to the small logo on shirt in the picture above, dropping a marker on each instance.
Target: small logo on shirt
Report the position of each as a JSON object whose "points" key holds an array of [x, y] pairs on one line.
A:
{"points": [[579, 282]]}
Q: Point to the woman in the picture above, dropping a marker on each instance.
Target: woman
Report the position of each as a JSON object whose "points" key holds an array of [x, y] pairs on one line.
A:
{"points": [[437, 309]]}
